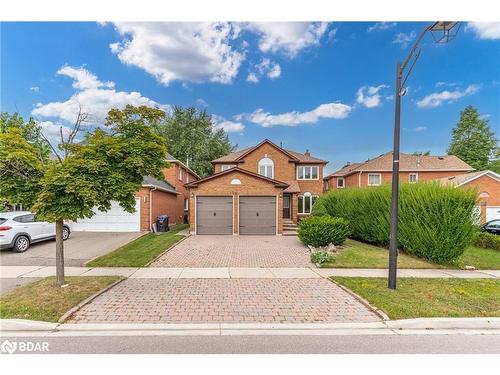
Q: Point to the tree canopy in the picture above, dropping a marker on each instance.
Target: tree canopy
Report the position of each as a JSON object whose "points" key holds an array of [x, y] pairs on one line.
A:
{"points": [[473, 141], [192, 137]]}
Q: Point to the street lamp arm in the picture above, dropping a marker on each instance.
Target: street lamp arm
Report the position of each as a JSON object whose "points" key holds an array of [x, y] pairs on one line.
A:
{"points": [[415, 46]]}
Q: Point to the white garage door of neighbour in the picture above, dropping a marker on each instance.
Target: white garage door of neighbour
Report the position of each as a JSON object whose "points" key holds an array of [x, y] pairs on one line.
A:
{"points": [[492, 213], [114, 220]]}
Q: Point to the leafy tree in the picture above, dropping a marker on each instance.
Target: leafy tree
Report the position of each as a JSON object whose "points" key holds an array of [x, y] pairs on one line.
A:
{"points": [[472, 140], [191, 136], [105, 166]]}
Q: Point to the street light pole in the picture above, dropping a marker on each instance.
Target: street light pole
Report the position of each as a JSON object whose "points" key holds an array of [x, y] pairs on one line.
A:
{"points": [[446, 29]]}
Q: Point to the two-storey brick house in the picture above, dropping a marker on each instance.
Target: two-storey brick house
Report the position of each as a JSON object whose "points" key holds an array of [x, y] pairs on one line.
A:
{"points": [[258, 190]]}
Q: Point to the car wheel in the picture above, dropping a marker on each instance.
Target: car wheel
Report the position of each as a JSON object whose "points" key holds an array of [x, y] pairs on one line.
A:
{"points": [[65, 233], [21, 244]]}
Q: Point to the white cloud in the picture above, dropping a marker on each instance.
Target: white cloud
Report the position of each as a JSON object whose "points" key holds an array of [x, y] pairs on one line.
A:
{"points": [[404, 39], [228, 126], [201, 102], [51, 131], [447, 84], [35, 88], [287, 37], [485, 30], [196, 52], [294, 118], [382, 26], [369, 96], [437, 98], [266, 67], [95, 98], [419, 129]]}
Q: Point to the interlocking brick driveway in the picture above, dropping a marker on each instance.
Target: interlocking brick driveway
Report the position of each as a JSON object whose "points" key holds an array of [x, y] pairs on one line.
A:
{"points": [[237, 251], [225, 300]]}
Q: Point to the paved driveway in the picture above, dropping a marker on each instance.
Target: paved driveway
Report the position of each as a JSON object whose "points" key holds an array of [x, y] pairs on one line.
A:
{"points": [[225, 300], [79, 248], [237, 251]]}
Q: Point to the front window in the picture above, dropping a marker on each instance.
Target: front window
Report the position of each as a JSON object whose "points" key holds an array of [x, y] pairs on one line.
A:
{"points": [[187, 177], [374, 179], [413, 178], [266, 167], [305, 203], [180, 174], [307, 172], [186, 204], [340, 182], [225, 167]]}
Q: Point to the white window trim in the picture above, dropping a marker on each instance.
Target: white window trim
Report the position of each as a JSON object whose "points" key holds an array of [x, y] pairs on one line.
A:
{"points": [[343, 180], [306, 195], [374, 174], [416, 178], [266, 165], [308, 179], [225, 167], [186, 204], [180, 174]]}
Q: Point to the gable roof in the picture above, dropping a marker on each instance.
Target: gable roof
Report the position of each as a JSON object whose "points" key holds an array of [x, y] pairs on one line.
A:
{"points": [[407, 163], [297, 157], [171, 159], [277, 183], [151, 182], [463, 179]]}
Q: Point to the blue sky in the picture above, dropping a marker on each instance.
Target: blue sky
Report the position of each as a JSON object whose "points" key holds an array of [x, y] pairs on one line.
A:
{"points": [[326, 87]]}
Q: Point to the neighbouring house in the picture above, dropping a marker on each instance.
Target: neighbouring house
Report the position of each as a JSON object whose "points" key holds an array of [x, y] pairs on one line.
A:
{"points": [[412, 168], [487, 184], [156, 197], [260, 190]]}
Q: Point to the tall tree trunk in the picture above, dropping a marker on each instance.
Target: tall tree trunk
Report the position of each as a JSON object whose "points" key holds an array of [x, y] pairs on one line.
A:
{"points": [[59, 253]]}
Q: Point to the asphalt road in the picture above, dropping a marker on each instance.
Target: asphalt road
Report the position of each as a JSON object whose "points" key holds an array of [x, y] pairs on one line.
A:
{"points": [[79, 248], [362, 344]]}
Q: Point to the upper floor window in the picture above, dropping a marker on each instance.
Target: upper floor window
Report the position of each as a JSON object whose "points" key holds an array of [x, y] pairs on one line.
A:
{"points": [[307, 172], [180, 174], [266, 167], [374, 179], [413, 178], [225, 167], [187, 177], [340, 182]]}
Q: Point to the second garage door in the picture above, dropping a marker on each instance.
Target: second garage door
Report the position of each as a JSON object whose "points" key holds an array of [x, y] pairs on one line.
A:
{"points": [[214, 215], [257, 215]]}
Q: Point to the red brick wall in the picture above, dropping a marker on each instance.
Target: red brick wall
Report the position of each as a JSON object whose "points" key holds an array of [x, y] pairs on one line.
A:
{"points": [[488, 190], [163, 203], [172, 176]]}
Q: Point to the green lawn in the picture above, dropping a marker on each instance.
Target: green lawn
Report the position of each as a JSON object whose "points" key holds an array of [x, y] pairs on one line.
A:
{"points": [[43, 300], [361, 255], [141, 251], [415, 298]]}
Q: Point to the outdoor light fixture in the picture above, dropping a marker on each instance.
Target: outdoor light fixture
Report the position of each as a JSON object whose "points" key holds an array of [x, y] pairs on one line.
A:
{"points": [[442, 32]]}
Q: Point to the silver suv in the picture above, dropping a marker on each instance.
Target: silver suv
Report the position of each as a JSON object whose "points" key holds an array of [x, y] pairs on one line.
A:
{"points": [[19, 229]]}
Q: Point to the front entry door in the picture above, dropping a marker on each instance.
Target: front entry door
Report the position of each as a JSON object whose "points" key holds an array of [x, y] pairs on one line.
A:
{"points": [[287, 206]]}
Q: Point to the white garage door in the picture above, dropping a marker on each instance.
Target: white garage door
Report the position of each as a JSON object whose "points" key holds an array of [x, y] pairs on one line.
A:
{"points": [[492, 213], [114, 220]]}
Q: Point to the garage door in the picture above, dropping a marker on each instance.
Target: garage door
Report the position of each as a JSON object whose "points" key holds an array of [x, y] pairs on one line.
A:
{"points": [[258, 215], [214, 215], [492, 213], [116, 219]]}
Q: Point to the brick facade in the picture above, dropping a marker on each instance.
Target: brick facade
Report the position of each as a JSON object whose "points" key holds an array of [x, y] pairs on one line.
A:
{"points": [[488, 191], [163, 203]]}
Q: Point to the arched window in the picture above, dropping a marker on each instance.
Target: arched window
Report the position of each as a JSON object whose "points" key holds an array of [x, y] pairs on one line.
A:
{"points": [[266, 167], [306, 201]]}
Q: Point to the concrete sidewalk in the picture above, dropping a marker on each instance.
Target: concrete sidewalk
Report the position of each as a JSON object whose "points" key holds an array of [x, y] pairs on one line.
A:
{"points": [[238, 273]]}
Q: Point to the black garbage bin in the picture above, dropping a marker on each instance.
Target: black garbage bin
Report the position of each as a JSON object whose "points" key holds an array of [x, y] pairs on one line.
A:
{"points": [[162, 223]]}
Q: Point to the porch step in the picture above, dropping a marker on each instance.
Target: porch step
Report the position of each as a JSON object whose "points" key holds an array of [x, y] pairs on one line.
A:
{"points": [[289, 228], [289, 232]]}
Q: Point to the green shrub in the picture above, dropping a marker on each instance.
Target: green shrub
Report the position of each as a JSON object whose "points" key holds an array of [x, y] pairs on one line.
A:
{"points": [[435, 222], [323, 230], [487, 240], [321, 257]]}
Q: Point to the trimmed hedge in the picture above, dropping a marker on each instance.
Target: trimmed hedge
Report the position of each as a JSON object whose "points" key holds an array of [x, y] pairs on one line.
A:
{"points": [[435, 222], [488, 241], [323, 230]]}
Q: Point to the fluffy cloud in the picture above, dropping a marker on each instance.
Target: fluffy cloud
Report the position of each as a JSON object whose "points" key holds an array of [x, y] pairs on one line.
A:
{"points": [[404, 39], [183, 51], [35, 88], [419, 129], [266, 67], [485, 30], [287, 37], [369, 96], [51, 131], [294, 118], [437, 98], [382, 26], [93, 96], [227, 125]]}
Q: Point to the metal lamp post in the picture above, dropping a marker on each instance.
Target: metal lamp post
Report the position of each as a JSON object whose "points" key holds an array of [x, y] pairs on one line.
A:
{"points": [[443, 32]]}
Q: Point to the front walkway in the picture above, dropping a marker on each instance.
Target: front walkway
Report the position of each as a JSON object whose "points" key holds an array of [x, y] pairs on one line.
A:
{"points": [[225, 300], [237, 251]]}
